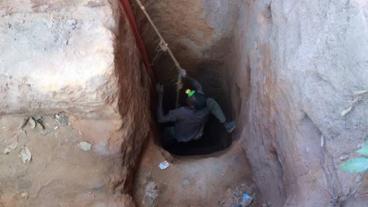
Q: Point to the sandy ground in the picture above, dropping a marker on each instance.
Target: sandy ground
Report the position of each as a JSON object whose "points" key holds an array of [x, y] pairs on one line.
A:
{"points": [[59, 173], [202, 181]]}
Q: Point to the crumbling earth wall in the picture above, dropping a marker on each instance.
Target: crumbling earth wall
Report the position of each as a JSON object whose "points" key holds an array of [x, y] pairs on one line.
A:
{"points": [[77, 59], [302, 65], [296, 74]]}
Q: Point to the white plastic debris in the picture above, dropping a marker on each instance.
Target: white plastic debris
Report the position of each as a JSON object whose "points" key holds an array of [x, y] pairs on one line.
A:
{"points": [[25, 155], [10, 148], [85, 146], [164, 165], [246, 200]]}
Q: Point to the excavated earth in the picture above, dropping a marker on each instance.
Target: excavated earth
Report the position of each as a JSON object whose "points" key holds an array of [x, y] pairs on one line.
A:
{"points": [[293, 74], [215, 180], [77, 59]]}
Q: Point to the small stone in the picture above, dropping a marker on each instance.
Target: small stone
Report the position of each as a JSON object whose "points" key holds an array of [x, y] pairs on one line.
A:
{"points": [[151, 194], [343, 157], [10, 148], [62, 119], [24, 195], [25, 155], [33, 123], [85, 146]]}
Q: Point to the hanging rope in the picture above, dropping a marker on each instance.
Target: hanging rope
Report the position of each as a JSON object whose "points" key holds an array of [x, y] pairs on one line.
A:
{"points": [[164, 47], [158, 52]]}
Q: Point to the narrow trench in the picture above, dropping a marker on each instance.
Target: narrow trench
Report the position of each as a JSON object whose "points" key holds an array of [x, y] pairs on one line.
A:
{"points": [[210, 171], [209, 72]]}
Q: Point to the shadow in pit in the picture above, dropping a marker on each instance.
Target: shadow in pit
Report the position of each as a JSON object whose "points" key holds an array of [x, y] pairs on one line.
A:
{"points": [[214, 139]]}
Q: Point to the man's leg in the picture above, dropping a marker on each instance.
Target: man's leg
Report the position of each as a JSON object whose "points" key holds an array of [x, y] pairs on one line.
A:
{"points": [[168, 137], [216, 110]]}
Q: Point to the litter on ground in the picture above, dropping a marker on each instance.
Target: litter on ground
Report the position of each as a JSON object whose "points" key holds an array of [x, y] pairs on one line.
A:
{"points": [[164, 165]]}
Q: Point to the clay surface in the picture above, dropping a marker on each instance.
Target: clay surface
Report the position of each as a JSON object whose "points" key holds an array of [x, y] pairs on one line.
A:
{"points": [[301, 66], [59, 172], [200, 181], [59, 56], [75, 66]]}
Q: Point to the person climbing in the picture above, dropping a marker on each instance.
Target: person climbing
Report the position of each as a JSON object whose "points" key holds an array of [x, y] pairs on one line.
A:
{"points": [[190, 120]]}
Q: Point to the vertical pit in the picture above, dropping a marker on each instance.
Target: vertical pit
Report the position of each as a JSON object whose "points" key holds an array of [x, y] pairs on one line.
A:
{"points": [[203, 43], [288, 70], [202, 52]]}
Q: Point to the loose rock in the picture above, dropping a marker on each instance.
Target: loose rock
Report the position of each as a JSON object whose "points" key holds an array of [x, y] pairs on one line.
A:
{"points": [[151, 194], [25, 155], [85, 146], [10, 148], [24, 195], [62, 119], [33, 123]]}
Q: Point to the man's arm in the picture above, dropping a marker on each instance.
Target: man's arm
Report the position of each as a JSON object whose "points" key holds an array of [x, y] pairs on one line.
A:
{"points": [[161, 117]]}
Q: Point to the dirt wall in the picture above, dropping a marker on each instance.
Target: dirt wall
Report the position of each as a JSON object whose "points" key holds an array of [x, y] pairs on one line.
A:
{"points": [[300, 61], [73, 65], [292, 69]]}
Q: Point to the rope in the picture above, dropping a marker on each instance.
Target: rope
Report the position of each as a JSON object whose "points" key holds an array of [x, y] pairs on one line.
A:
{"points": [[164, 47], [158, 52]]}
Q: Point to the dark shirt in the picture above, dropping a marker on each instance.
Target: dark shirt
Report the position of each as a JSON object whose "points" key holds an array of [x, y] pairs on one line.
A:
{"points": [[189, 123]]}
